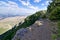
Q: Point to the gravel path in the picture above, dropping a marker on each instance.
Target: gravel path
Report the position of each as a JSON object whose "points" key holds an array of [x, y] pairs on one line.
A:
{"points": [[38, 31]]}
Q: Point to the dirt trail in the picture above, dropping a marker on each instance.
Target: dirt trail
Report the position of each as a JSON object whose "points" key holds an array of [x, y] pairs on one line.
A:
{"points": [[38, 31]]}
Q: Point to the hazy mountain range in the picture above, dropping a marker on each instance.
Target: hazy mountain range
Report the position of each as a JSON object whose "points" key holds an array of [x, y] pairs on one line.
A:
{"points": [[2, 16]]}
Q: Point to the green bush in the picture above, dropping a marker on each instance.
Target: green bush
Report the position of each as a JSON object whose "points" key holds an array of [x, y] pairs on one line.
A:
{"points": [[44, 16], [55, 14], [58, 31], [53, 10], [54, 36]]}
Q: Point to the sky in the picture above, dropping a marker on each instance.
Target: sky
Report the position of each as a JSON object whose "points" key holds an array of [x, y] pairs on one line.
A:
{"points": [[22, 6]]}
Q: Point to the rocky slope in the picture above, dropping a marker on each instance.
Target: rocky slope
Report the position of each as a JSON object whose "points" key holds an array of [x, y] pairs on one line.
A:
{"points": [[40, 30]]}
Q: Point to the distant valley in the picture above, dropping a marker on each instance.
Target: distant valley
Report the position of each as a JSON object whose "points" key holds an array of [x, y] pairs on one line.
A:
{"points": [[9, 22]]}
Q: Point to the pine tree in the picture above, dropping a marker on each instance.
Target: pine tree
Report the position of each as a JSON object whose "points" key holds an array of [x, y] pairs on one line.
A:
{"points": [[53, 10]]}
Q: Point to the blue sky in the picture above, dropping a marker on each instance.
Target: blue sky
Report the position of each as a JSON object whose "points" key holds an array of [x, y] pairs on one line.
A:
{"points": [[22, 6]]}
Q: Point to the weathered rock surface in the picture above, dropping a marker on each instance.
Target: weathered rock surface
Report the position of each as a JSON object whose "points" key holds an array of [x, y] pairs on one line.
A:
{"points": [[38, 31]]}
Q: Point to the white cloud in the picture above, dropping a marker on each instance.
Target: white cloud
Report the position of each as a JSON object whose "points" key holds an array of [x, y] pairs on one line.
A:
{"points": [[29, 5], [37, 1], [25, 3], [12, 7], [45, 3], [42, 4]]}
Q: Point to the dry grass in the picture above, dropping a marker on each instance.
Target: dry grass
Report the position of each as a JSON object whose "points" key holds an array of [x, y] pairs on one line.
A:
{"points": [[8, 23]]}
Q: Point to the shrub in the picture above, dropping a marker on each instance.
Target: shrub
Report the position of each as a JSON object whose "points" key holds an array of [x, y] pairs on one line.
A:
{"points": [[54, 36], [55, 14], [58, 31]]}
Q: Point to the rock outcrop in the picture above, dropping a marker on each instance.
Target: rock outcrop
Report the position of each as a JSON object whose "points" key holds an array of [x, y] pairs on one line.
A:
{"points": [[38, 31]]}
